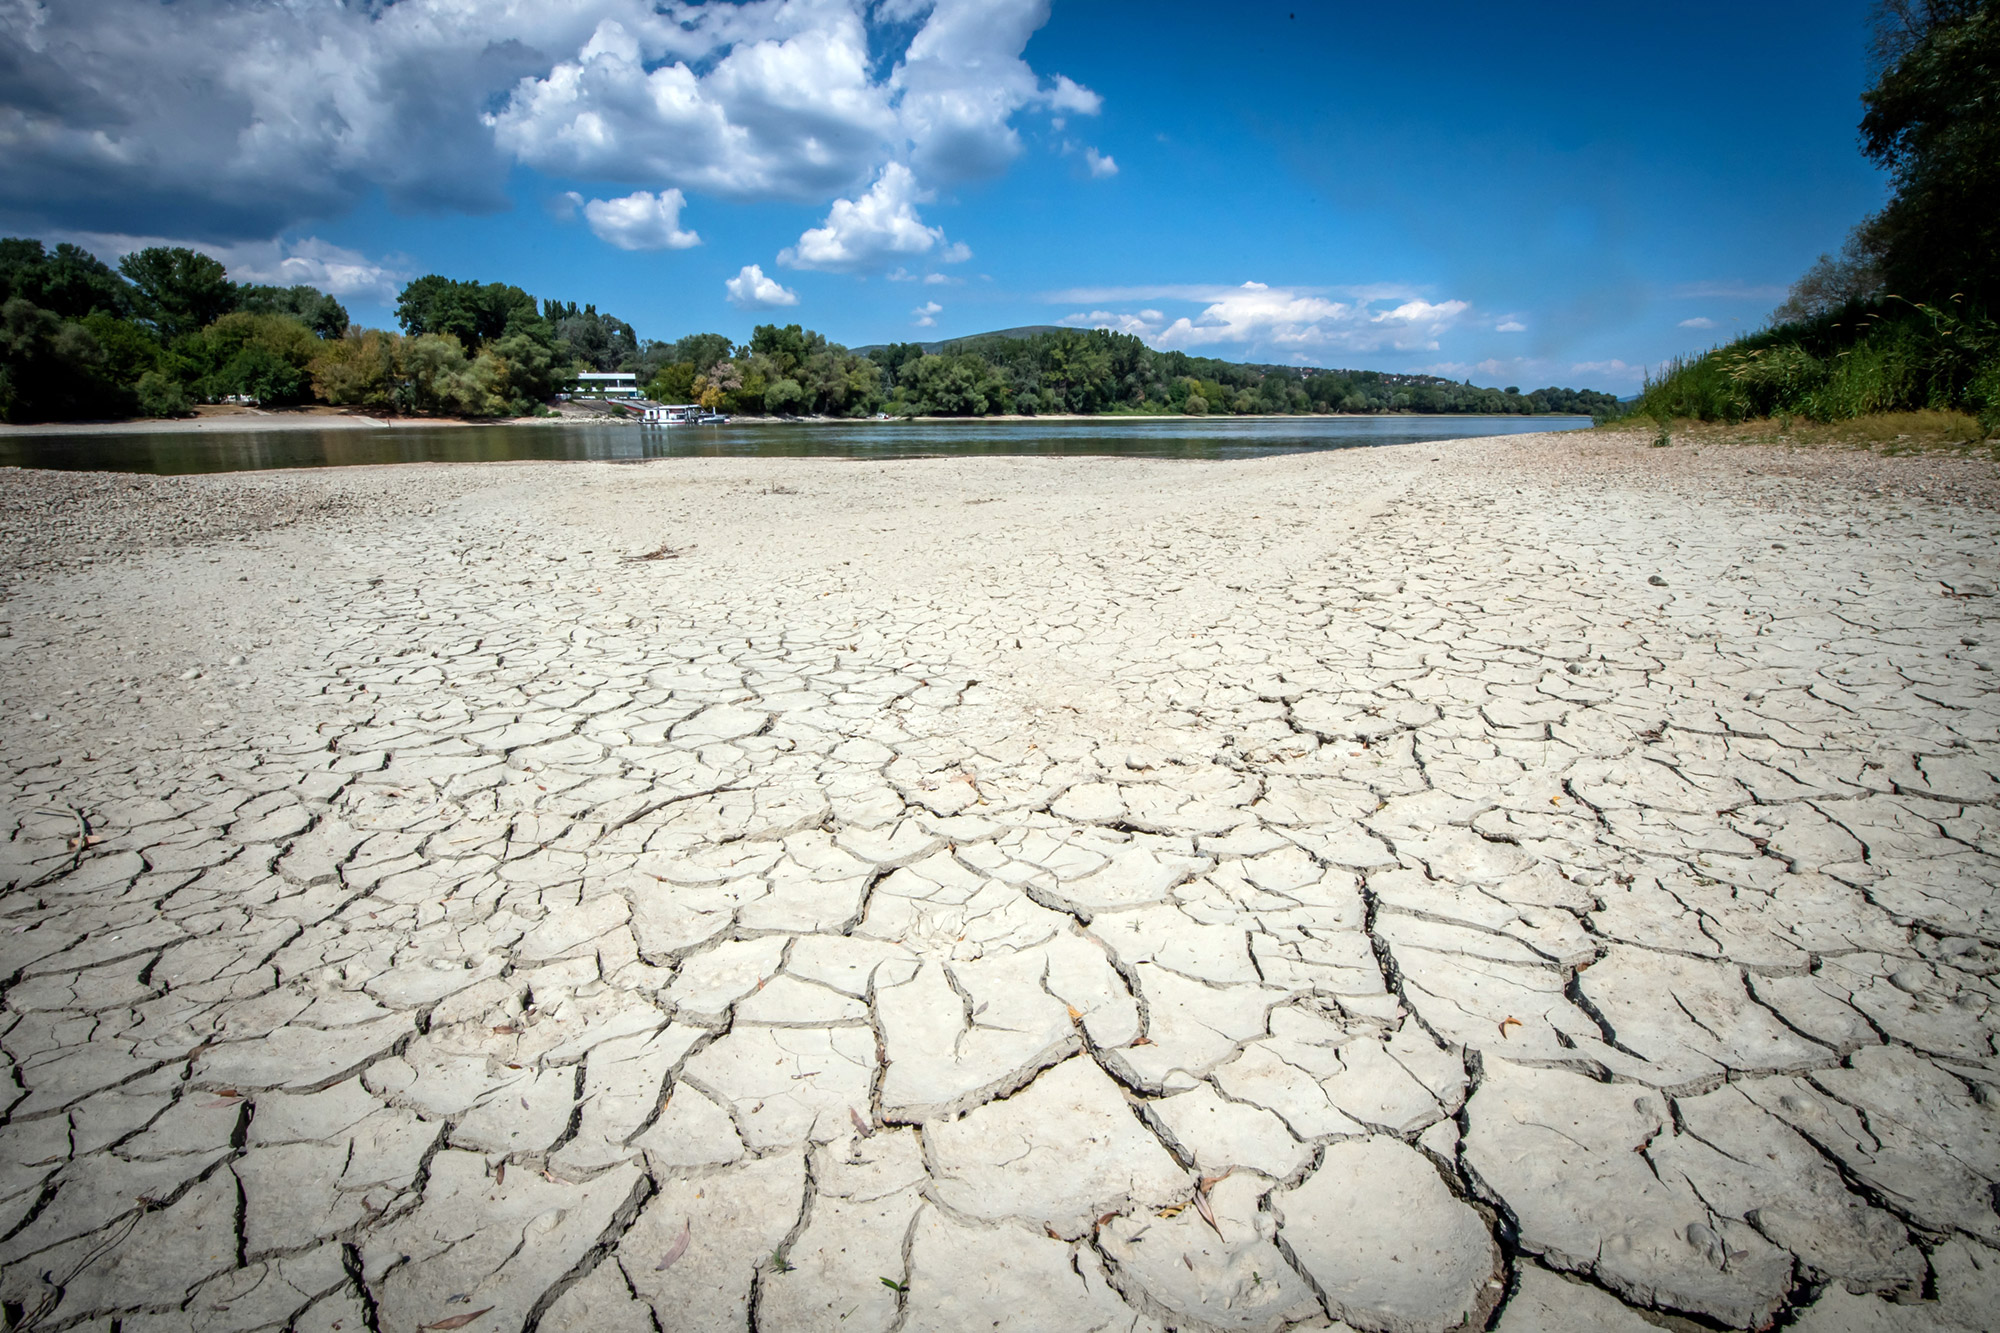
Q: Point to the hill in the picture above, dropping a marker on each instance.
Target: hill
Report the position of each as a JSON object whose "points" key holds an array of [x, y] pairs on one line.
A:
{"points": [[970, 340], [989, 341]]}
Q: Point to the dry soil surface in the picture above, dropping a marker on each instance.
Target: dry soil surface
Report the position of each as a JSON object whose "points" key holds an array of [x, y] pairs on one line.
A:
{"points": [[1540, 883]]}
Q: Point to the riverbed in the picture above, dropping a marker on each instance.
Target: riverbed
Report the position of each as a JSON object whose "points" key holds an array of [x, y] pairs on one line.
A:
{"points": [[1517, 885]]}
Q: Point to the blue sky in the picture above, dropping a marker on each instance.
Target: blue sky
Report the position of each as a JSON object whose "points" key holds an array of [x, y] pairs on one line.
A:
{"points": [[1524, 194]]}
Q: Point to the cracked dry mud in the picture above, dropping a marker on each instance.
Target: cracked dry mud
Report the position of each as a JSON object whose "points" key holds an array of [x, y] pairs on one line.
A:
{"points": [[1538, 884]]}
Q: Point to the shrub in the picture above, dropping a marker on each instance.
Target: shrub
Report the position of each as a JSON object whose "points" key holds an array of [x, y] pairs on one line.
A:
{"points": [[782, 396], [162, 396]]}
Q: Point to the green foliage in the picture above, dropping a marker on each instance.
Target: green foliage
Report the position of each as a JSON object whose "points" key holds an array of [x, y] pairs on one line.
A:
{"points": [[1831, 284], [262, 357], [590, 340], [1088, 371], [524, 370], [164, 331], [177, 290], [70, 283], [52, 367], [1859, 361], [1195, 405], [312, 307], [128, 350], [473, 313], [357, 370], [673, 384], [702, 350], [160, 395], [1933, 121], [960, 385], [787, 347], [783, 396]]}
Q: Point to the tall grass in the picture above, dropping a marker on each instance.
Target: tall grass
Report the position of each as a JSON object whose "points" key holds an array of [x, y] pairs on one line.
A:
{"points": [[1865, 359]]}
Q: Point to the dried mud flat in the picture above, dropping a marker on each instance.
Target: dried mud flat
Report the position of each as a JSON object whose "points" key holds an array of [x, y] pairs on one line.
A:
{"points": [[1543, 883]]}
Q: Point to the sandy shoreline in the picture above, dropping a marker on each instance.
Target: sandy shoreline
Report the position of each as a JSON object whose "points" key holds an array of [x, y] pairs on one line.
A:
{"points": [[244, 420], [1411, 887]]}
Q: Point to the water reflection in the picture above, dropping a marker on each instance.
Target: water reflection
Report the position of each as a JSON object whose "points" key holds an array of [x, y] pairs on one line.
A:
{"points": [[1139, 437]]}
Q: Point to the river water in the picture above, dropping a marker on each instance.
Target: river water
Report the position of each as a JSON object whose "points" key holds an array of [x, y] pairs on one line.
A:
{"points": [[1137, 437]]}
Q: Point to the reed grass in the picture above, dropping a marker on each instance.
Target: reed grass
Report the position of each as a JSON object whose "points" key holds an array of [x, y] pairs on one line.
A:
{"points": [[1866, 360]]}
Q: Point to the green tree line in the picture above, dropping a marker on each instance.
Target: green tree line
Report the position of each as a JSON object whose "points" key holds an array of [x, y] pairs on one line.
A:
{"points": [[1094, 370], [167, 329], [1904, 318]]}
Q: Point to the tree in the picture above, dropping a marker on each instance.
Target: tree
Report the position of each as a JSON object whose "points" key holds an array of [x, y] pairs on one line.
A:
{"points": [[265, 357], [525, 372], [586, 338], [161, 396], [1933, 120], [674, 383], [178, 290], [1195, 405], [52, 368], [309, 305], [715, 388], [1901, 25], [894, 357], [959, 385], [788, 348], [70, 283], [474, 313], [783, 395], [358, 369], [1832, 283], [703, 351]]}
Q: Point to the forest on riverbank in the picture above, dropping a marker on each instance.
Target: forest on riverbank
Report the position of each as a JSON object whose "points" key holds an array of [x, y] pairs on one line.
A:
{"points": [[1903, 319], [167, 329]]}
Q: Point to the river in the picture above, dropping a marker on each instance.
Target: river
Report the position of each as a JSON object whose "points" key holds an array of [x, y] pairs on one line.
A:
{"points": [[1140, 437]]}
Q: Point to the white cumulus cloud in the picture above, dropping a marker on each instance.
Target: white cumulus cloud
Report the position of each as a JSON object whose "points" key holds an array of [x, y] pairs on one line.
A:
{"points": [[1698, 322], [331, 268], [751, 290], [641, 221], [962, 80], [1510, 326], [1258, 315], [235, 119], [880, 226], [1100, 164], [927, 314], [1144, 324], [1293, 321]]}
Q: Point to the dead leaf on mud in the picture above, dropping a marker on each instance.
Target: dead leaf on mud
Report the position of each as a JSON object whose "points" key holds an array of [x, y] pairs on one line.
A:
{"points": [[677, 1249]]}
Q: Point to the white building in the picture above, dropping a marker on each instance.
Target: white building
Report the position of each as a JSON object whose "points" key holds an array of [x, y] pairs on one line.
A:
{"points": [[611, 384]]}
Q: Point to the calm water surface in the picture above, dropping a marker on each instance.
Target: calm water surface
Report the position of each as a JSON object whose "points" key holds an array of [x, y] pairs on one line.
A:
{"points": [[1137, 437]]}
